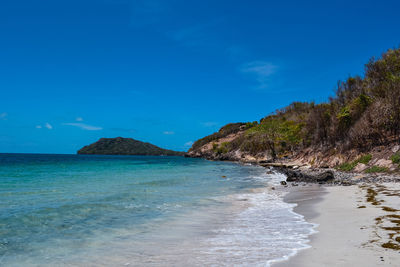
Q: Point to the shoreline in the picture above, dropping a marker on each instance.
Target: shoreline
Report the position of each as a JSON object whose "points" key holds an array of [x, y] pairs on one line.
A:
{"points": [[305, 198], [354, 225]]}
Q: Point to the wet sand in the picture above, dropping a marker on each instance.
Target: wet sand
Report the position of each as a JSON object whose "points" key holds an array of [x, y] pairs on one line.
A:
{"points": [[357, 225]]}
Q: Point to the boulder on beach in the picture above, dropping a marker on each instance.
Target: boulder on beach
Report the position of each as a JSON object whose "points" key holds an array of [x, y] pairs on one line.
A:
{"points": [[309, 177]]}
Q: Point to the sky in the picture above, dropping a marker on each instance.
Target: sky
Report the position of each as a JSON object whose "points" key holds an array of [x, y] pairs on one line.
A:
{"points": [[171, 72]]}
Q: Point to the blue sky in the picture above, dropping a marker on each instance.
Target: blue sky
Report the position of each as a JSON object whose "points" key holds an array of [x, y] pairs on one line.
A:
{"points": [[170, 72]]}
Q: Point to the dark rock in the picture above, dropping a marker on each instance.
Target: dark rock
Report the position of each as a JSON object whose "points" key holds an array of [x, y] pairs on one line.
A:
{"points": [[283, 183], [269, 171], [326, 176], [307, 176], [292, 175], [264, 161], [346, 183]]}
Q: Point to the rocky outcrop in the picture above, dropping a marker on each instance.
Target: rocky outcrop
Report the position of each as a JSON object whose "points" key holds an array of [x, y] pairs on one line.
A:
{"points": [[308, 177]]}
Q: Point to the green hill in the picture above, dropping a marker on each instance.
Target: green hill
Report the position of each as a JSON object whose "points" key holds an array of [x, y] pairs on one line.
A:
{"points": [[126, 146]]}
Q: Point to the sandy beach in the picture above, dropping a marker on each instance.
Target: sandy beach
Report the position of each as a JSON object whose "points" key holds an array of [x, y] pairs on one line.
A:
{"points": [[358, 225]]}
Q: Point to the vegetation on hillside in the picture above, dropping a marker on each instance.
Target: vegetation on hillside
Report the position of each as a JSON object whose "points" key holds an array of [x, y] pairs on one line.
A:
{"points": [[349, 166], [223, 132], [365, 112]]}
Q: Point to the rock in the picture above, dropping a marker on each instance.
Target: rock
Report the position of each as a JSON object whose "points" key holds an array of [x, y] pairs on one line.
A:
{"points": [[283, 183], [346, 183], [292, 176], [265, 161], [326, 176], [384, 163], [269, 171], [358, 177], [373, 161], [307, 176], [396, 148], [306, 167], [360, 167], [336, 161]]}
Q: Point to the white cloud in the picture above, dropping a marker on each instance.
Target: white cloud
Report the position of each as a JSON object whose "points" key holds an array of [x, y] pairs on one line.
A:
{"points": [[190, 143], [84, 126], [79, 119], [47, 125], [262, 71], [168, 132], [3, 116]]}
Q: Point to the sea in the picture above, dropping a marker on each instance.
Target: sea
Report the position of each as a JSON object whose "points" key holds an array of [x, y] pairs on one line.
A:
{"points": [[88, 210]]}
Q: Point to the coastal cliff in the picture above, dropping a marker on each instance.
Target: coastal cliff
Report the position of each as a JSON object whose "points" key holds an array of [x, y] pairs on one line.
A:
{"points": [[126, 146], [356, 130]]}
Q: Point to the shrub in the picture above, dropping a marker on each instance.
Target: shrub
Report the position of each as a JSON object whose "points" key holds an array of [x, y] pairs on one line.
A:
{"points": [[365, 159], [344, 117], [251, 124], [374, 169], [222, 148], [214, 147], [348, 166], [395, 158]]}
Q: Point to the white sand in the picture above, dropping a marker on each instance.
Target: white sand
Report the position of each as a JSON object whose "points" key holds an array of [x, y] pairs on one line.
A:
{"points": [[345, 231]]}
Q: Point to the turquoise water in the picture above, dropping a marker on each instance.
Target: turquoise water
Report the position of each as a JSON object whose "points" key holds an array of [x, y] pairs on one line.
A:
{"points": [[109, 210]]}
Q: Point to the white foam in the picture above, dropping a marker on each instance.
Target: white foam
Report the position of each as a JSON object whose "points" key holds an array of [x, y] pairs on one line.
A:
{"points": [[268, 230]]}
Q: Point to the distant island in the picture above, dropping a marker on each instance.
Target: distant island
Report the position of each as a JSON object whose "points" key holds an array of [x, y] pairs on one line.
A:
{"points": [[126, 146]]}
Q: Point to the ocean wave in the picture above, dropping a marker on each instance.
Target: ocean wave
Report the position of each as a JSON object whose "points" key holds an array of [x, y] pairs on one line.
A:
{"points": [[266, 231]]}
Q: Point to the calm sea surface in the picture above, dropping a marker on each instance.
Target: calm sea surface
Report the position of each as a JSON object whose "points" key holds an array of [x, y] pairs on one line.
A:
{"points": [[77, 210]]}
